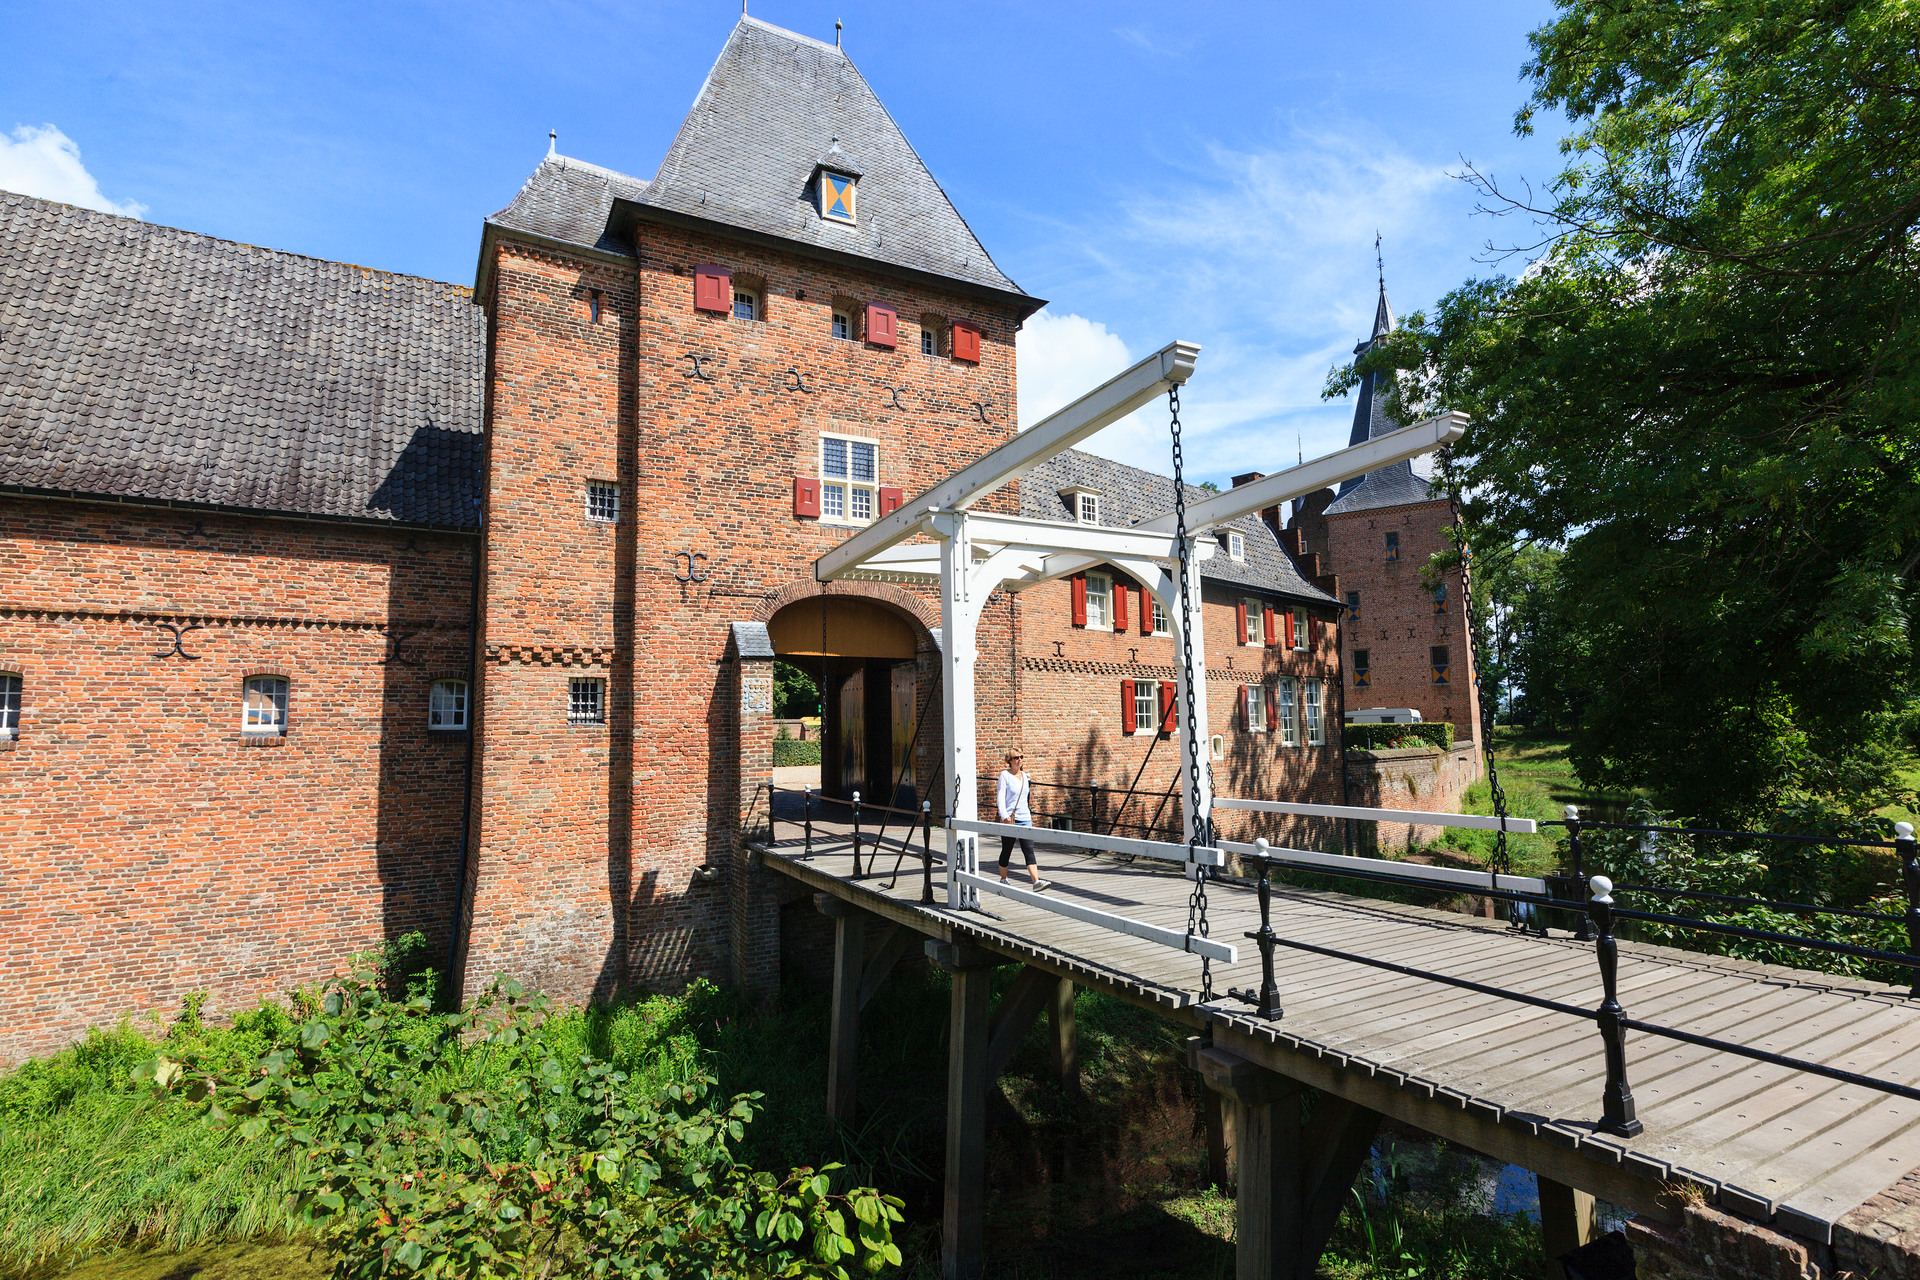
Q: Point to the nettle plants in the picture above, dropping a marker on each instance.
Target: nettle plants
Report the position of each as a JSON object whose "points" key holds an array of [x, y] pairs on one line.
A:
{"points": [[463, 1145]]}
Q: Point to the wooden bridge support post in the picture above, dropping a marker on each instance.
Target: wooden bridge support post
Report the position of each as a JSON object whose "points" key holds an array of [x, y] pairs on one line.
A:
{"points": [[963, 1223], [1064, 1040], [1213, 1108], [1567, 1221], [843, 1023], [1291, 1178]]}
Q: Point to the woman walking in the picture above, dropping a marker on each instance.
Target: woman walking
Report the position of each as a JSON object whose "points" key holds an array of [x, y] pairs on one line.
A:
{"points": [[1011, 800]]}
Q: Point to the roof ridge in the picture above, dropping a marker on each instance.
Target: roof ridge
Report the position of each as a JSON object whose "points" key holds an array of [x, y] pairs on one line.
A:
{"points": [[747, 19], [570, 162], [244, 244]]}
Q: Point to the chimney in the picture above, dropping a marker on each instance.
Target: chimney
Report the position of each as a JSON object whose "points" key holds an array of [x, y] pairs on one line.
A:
{"points": [[1248, 478], [1269, 514]]}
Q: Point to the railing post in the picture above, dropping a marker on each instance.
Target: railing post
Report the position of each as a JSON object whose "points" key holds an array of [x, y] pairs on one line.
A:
{"points": [[1582, 927], [857, 873], [806, 808], [1910, 870], [926, 853], [1269, 1004], [1616, 1102]]}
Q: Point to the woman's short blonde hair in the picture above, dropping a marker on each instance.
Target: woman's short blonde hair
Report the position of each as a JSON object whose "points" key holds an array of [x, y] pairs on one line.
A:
{"points": [[1014, 754]]}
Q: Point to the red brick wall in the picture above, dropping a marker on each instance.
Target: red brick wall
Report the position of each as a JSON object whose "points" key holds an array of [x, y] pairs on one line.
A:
{"points": [[1397, 624], [153, 852], [589, 841], [1069, 719]]}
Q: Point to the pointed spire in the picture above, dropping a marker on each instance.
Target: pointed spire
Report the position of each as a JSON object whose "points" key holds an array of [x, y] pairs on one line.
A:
{"points": [[1382, 314]]}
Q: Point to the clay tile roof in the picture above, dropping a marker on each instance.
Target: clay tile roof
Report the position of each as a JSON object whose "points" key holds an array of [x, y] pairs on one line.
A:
{"points": [[140, 361], [1130, 494]]}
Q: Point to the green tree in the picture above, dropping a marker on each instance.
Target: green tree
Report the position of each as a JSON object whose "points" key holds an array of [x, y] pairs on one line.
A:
{"points": [[795, 693], [1706, 388]]}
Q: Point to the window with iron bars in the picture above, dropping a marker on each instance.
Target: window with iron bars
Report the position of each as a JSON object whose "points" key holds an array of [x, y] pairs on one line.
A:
{"points": [[603, 501], [587, 701]]}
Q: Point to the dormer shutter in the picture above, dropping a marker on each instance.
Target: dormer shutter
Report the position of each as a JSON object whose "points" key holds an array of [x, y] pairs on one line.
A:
{"points": [[1127, 724], [712, 289], [1079, 581], [966, 342], [883, 325]]}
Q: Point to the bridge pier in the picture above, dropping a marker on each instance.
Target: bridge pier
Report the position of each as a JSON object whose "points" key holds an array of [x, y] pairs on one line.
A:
{"points": [[1291, 1179], [843, 1022], [1567, 1221], [963, 1220]]}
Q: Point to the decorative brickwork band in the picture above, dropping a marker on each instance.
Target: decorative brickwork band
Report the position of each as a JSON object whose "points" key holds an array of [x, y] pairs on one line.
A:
{"points": [[549, 655]]}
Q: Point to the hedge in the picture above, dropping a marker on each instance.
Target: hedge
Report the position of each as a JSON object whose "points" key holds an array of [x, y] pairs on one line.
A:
{"points": [[788, 751], [1380, 737]]}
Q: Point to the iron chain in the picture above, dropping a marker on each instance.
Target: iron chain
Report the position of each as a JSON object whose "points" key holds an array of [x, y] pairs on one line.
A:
{"points": [[1197, 903], [1498, 862]]}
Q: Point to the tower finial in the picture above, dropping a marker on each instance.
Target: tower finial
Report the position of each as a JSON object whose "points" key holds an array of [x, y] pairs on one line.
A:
{"points": [[836, 31], [1379, 262], [553, 140]]}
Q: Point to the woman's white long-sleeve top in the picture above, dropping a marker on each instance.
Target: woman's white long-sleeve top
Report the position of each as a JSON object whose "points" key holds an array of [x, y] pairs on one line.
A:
{"points": [[1013, 797]]}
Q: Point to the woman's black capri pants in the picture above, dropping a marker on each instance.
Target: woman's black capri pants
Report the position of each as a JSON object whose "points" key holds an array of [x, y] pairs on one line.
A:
{"points": [[1006, 849]]}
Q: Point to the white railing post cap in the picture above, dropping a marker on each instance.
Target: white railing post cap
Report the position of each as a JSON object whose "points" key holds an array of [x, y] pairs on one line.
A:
{"points": [[1903, 831], [1262, 845], [1573, 813], [1602, 887]]}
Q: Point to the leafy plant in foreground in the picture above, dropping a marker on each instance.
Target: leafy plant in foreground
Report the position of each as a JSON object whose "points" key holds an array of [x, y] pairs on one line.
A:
{"points": [[405, 1166]]}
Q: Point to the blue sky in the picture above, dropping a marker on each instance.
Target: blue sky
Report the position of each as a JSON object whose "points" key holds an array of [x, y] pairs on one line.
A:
{"points": [[1211, 172]]}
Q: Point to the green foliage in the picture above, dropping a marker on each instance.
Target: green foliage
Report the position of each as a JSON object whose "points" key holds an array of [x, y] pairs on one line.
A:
{"points": [[1374, 737], [1705, 392], [795, 692], [549, 1162], [788, 751]]}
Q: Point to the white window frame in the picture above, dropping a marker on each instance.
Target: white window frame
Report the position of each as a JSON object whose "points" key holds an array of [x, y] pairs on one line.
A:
{"points": [[1289, 714], [1086, 508], [447, 704], [1236, 546], [1313, 704], [1300, 632], [841, 496], [1104, 594], [12, 685], [608, 494], [929, 345], [1256, 633], [842, 325], [586, 700], [1147, 691], [268, 717], [1162, 624], [752, 300], [1256, 708]]}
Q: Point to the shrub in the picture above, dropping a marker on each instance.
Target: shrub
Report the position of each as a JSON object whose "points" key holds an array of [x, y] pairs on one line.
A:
{"points": [[788, 751], [1377, 737], [406, 1162]]}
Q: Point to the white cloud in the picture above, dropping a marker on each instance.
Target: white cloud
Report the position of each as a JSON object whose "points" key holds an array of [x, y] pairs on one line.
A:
{"points": [[1062, 357], [45, 162], [1265, 257]]}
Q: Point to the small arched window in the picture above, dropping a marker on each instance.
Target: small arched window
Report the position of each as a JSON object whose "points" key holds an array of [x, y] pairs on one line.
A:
{"points": [[447, 708], [264, 709], [9, 705]]}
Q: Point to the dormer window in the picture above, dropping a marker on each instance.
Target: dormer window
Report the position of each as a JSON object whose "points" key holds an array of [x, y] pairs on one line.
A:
{"points": [[1083, 503], [836, 196], [1236, 546]]}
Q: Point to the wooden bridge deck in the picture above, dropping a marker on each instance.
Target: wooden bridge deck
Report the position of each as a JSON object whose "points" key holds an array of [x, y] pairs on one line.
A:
{"points": [[1516, 1082]]}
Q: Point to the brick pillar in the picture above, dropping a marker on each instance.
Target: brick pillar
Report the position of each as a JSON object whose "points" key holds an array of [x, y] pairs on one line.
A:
{"points": [[753, 907]]}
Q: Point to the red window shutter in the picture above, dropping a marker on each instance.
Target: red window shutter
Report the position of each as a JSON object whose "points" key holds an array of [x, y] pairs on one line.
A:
{"points": [[1119, 606], [966, 342], [890, 499], [1126, 707], [1289, 617], [1079, 581], [1271, 624], [1313, 632], [806, 496], [1246, 712], [1146, 612], [1167, 692], [1272, 718], [883, 325], [1240, 622], [712, 288]]}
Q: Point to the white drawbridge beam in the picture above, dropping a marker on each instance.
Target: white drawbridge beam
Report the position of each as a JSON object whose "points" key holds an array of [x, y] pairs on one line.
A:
{"points": [[1170, 366]]}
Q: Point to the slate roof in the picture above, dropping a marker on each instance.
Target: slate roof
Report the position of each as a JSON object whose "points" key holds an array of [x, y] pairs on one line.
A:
{"points": [[774, 107], [1394, 485], [141, 361], [1129, 495]]}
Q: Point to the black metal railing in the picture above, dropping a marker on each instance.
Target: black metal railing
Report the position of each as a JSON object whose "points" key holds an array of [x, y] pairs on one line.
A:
{"points": [[1611, 1018], [856, 807]]}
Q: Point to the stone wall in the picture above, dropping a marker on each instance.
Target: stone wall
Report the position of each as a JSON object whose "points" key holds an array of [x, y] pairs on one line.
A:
{"points": [[1421, 778]]}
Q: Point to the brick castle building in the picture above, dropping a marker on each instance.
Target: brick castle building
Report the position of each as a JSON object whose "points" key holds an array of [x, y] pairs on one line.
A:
{"points": [[336, 604]]}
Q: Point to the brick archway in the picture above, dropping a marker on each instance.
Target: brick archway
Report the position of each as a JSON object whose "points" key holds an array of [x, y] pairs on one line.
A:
{"points": [[920, 609]]}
